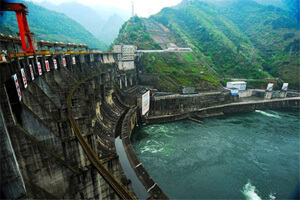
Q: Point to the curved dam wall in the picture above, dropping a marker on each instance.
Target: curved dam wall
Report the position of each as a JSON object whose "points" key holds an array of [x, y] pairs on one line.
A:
{"points": [[151, 186], [45, 160]]}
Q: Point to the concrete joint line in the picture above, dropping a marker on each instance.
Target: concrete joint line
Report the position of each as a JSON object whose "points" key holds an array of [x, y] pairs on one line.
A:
{"points": [[151, 187], [138, 165]]}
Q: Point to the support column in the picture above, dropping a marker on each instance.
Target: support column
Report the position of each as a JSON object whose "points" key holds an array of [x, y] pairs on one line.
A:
{"points": [[130, 79], [125, 77], [268, 95], [283, 94], [120, 83]]}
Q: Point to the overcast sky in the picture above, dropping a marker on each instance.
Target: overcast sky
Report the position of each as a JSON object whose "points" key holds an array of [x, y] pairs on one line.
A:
{"points": [[142, 8]]}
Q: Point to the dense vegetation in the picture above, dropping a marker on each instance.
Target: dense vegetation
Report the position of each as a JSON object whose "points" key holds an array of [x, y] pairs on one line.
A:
{"points": [[275, 34], [134, 32], [239, 40], [173, 70], [51, 26]]}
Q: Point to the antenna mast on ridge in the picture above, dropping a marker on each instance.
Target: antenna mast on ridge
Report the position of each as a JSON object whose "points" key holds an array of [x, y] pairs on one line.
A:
{"points": [[132, 8]]}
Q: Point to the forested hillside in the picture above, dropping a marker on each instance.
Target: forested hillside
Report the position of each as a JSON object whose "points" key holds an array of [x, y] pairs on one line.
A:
{"points": [[173, 70], [243, 39], [102, 22], [274, 33], [82, 14], [50, 26]]}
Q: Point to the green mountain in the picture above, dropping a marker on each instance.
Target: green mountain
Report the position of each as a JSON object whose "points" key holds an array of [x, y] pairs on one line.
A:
{"points": [[51, 26], [83, 14], [275, 35], [236, 39], [104, 27], [172, 70], [109, 31]]}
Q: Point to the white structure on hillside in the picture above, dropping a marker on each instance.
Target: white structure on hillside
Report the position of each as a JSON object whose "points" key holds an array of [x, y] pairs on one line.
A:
{"points": [[240, 85]]}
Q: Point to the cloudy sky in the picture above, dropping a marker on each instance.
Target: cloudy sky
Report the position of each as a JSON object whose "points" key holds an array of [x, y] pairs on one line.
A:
{"points": [[142, 8]]}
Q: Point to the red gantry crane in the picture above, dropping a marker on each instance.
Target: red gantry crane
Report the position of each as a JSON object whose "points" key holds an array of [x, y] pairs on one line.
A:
{"points": [[21, 12]]}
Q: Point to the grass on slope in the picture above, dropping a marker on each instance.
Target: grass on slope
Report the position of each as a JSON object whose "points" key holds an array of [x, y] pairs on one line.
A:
{"points": [[216, 38], [175, 70]]}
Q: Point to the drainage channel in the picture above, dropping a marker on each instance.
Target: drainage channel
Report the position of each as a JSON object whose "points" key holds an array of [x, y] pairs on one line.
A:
{"points": [[138, 187]]}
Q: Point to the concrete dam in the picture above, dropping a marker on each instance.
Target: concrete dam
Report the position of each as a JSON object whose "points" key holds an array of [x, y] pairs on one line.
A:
{"points": [[63, 107]]}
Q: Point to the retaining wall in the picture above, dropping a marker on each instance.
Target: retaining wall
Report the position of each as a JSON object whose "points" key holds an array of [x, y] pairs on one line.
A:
{"points": [[247, 106]]}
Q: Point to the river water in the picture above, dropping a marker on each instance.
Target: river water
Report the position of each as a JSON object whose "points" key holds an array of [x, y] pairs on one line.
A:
{"points": [[238, 156]]}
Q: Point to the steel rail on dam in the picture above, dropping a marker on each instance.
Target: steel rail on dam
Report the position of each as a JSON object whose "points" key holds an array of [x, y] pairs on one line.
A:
{"points": [[118, 187]]}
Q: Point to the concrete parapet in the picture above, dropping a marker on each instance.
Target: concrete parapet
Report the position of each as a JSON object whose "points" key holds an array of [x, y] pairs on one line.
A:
{"points": [[151, 186]]}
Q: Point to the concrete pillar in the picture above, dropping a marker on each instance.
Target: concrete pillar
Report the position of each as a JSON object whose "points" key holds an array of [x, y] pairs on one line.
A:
{"points": [[125, 77], [268, 95], [120, 83], [103, 78], [283, 94], [130, 79], [110, 76], [81, 58]]}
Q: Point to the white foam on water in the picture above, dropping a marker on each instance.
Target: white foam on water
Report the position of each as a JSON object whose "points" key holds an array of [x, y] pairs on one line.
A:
{"points": [[153, 146], [272, 196], [146, 149], [249, 191], [152, 150], [268, 114]]}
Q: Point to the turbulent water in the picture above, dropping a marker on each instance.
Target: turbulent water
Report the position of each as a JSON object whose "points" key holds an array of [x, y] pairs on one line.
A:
{"points": [[241, 156]]}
